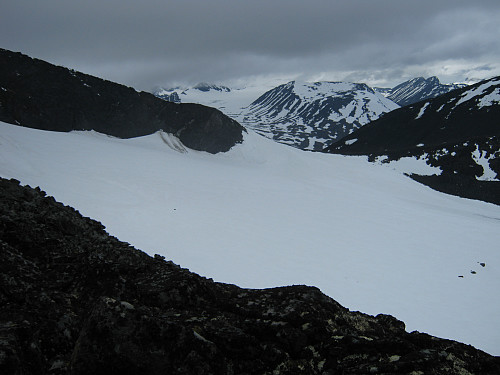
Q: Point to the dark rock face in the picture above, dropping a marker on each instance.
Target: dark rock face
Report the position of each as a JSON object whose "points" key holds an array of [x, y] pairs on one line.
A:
{"points": [[74, 300], [450, 132], [40, 95]]}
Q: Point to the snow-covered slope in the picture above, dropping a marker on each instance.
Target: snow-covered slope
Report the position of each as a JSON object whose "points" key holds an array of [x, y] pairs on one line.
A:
{"points": [[312, 115], [264, 214], [418, 89]]}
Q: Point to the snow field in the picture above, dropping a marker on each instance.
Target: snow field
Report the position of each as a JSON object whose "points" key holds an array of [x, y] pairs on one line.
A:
{"points": [[264, 214]]}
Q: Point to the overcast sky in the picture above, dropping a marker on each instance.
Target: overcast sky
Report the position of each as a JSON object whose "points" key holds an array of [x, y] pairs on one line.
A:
{"points": [[150, 43]]}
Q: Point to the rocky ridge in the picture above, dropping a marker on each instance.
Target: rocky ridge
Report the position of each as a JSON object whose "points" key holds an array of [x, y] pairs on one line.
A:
{"points": [[36, 94], [74, 300], [418, 89]]}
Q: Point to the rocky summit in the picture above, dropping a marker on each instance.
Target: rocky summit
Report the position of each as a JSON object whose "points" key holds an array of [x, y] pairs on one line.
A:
{"points": [[74, 300], [36, 94], [418, 89]]}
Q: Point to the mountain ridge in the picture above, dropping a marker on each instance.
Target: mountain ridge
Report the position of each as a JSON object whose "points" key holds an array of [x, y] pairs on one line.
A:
{"points": [[38, 94], [418, 89]]}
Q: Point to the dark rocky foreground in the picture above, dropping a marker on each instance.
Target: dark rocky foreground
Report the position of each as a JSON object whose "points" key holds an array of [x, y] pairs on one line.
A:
{"points": [[75, 300], [36, 94]]}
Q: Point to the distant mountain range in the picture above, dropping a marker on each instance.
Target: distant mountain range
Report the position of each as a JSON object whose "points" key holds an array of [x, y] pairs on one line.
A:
{"points": [[309, 116], [418, 89], [457, 133], [304, 115]]}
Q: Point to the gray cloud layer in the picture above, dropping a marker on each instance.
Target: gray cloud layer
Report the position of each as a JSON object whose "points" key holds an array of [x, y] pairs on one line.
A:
{"points": [[152, 42]]}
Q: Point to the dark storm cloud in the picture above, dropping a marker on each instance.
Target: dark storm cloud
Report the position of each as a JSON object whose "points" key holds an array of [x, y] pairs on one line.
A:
{"points": [[146, 43]]}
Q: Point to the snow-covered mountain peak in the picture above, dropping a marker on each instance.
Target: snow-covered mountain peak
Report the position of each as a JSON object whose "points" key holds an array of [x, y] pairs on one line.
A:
{"points": [[318, 90], [417, 89], [311, 115]]}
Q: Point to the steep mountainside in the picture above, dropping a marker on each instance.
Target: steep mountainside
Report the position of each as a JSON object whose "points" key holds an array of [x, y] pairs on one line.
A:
{"points": [[74, 300], [40, 95], [312, 115], [458, 132], [418, 89]]}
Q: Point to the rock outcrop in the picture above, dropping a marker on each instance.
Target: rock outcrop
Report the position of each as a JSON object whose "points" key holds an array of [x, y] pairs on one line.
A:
{"points": [[74, 300], [36, 94]]}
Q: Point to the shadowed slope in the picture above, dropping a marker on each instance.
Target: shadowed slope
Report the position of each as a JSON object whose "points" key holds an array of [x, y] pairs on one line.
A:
{"points": [[40, 95]]}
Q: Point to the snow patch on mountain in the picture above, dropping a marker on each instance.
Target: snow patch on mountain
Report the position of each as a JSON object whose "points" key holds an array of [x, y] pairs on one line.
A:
{"points": [[319, 90], [481, 90], [172, 141], [350, 141], [410, 165], [422, 110], [483, 159]]}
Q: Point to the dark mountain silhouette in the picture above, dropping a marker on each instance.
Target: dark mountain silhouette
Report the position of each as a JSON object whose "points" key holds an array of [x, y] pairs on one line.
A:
{"points": [[458, 132], [74, 300], [36, 94]]}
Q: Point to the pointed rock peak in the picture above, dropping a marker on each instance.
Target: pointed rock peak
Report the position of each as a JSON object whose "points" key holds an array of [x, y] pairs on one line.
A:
{"points": [[433, 80]]}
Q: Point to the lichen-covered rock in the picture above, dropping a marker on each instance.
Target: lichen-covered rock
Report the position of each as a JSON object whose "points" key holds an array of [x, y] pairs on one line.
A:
{"points": [[74, 300]]}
